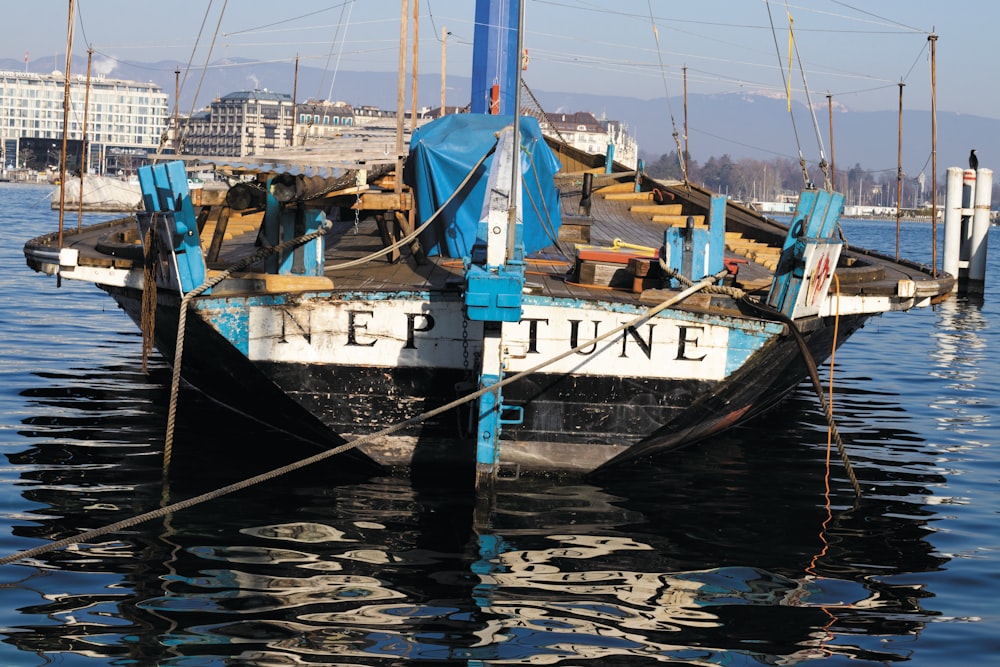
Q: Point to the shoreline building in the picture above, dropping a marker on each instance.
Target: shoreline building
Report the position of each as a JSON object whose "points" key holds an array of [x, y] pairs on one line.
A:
{"points": [[584, 131], [239, 124], [125, 120], [315, 118]]}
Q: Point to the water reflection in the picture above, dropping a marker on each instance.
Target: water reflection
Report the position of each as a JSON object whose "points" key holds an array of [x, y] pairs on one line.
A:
{"points": [[723, 554], [959, 360]]}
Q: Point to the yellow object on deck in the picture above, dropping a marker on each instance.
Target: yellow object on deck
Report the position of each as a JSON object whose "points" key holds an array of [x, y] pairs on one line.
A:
{"points": [[618, 243]]}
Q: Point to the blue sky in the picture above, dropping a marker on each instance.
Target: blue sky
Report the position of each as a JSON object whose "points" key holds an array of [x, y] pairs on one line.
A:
{"points": [[855, 50]]}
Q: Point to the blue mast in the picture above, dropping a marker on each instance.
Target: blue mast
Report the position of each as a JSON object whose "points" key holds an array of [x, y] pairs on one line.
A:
{"points": [[495, 57], [494, 283]]}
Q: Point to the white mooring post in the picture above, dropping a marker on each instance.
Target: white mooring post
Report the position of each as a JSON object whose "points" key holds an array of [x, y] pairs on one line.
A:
{"points": [[953, 223], [967, 221], [980, 231]]}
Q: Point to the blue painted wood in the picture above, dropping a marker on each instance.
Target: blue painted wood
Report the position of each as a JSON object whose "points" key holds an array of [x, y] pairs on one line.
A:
{"points": [[285, 223], [488, 437], [165, 190], [833, 213], [150, 202], [495, 58], [696, 252], [807, 198], [272, 228], [717, 235], [814, 221]]}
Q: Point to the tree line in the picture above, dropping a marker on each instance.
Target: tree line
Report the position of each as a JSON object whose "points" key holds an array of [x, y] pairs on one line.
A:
{"points": [[772, 180]]}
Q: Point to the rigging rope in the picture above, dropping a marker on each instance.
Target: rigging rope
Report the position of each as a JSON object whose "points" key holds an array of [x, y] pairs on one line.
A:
{"points": [[812, 110], [681, 157], [253, 259], [333, 43], [182, 322], [277, 472], [816, 382], [787, 82], [147, 319], [178, 140], [416, 232]]}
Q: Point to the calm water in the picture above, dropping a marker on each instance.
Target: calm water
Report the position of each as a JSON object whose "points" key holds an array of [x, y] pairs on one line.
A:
{"points": [[727, 553]]}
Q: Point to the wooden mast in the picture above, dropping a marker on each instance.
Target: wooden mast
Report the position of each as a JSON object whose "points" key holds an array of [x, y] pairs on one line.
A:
{"points": [[899, 170], [83, 140], [684, 158], [932, 38], [444, 68], [833, 164], [66, 100], [404, 29], [413, 81], [295, 98], [177, 105]]}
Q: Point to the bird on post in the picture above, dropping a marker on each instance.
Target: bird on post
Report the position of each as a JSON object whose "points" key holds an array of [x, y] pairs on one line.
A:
{"points": [[973, 160]]}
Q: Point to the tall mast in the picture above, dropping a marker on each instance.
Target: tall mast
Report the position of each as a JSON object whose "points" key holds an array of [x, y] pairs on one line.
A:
{"points": [[899, 170], [515, 168], [404, 29], [413, 75], [66, 100], [932, 38], [83, 140]]}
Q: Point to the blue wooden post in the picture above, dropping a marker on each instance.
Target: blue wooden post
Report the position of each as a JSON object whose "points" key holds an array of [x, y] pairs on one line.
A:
{"points": [[165, 191], [717, 235], [282, 223], [808, 239], [695, 252]]}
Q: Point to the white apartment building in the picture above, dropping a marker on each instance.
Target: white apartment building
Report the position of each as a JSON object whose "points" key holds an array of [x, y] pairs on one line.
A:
{"points": [[125, 119]]}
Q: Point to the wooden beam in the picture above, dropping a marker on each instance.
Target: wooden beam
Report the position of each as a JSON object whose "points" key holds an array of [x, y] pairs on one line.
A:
{"points": [[657, 209], [384, 201], [679, 220], [629, 196]]}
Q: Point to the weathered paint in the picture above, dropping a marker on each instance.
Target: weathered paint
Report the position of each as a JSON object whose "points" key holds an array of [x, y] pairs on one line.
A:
{"points": [[419, 331]]}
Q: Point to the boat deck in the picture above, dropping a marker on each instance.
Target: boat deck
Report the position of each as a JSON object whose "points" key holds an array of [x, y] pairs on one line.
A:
{"points": [[616, 213], [548, 273]]}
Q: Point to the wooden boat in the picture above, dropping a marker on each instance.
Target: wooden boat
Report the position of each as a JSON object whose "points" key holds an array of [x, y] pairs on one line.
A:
{"points": [[598, 317]]}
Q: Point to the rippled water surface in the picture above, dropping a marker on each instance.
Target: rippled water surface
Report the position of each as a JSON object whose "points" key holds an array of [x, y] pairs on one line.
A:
{"points": [[726, 553]]}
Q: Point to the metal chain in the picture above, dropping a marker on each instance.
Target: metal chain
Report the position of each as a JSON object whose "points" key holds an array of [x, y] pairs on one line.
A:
{"points": [[357, 212], [465, 344]]}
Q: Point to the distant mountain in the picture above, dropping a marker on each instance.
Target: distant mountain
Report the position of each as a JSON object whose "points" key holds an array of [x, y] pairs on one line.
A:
{"points": [[745, 125], [742, 125]]}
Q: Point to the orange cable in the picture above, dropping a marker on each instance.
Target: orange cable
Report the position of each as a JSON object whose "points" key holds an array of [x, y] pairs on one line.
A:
{"points": [[829, 437]]}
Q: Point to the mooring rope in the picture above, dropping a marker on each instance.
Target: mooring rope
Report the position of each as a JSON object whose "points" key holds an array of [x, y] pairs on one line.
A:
{"points": [[175, 378], [147, 318], [739, 294], [261, 254], [277, 472], [416, 232], [817, 384]]}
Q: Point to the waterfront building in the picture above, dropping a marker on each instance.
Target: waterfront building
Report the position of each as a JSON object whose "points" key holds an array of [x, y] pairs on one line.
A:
{"points": [[239, 124], [584, 131], [125, 120], [315, 118]]}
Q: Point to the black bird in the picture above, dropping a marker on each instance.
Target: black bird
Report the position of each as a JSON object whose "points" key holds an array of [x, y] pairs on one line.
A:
{"points": [[973, 160]]}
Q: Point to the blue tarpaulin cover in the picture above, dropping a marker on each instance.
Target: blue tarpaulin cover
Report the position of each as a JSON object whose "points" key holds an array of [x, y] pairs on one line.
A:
{"points": [[441, 154]]}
